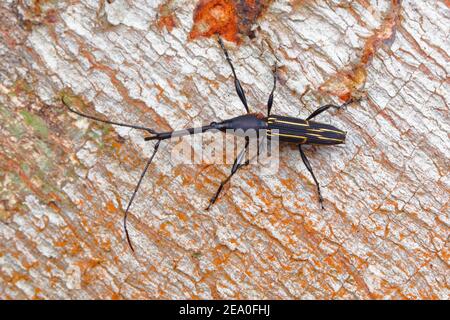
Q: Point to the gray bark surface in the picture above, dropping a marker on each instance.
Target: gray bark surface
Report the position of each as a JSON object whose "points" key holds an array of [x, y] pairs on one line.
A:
{"points": [[65, 181]]}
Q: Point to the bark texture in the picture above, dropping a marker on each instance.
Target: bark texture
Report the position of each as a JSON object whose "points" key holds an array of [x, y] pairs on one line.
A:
{"points": [[65, 180]]}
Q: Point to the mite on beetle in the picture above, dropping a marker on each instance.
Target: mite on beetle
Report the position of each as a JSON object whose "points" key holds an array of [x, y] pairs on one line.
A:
{"points": [[286, 129]]}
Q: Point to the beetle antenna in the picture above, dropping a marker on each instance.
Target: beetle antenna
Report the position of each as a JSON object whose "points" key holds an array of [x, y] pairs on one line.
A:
{"points": [[107, 121], [237, 84], [125, 216]]}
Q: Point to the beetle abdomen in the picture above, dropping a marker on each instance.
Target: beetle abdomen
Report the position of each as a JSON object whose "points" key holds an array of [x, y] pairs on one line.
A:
{"points": [[303, 132]]}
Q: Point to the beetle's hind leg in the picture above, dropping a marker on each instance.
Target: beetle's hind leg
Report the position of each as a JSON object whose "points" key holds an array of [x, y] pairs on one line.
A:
{"points": [[237, 83], [308, 166], [328, 106]]}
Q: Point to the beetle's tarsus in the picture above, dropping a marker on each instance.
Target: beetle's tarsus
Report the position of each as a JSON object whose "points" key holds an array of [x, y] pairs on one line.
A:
{"points": [[211, 202], [308, 166], [130, 244], [349, 102], [321, 201]]}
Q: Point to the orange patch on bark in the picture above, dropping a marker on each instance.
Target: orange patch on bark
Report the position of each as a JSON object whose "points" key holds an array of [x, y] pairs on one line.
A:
{"points": [[115, 296], [345, 84], [167, 22], [110, 207], [166, 18], [37, 292], [215, 16], [51, 16], [183, 217], [385, 33], [228, 18], [297, 3], [445, 254], [60, 244], [37, 12]]}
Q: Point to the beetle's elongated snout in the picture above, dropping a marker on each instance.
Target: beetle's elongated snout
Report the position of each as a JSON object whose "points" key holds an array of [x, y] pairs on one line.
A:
{"points": [[180, 133]]}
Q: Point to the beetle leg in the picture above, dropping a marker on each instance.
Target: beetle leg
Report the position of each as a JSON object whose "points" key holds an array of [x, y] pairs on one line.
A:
{"points": [[308, 166], [237, 83], [328, 106], [270, 101], [236, 166]]}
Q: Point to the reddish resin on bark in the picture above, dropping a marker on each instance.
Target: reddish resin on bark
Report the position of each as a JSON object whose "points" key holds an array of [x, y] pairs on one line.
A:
{"points": [[166, 16], [229, 18]]}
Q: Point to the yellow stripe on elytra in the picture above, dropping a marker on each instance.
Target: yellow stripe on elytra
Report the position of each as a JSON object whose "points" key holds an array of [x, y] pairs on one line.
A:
{"points": [[314, 135], [302, 137], [325, 130], [269, 133], [324, 138], [332, 139], [273, 120]]}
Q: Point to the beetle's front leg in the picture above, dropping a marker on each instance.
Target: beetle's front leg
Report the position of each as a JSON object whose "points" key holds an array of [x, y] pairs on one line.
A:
{"points": [[238, 163]]}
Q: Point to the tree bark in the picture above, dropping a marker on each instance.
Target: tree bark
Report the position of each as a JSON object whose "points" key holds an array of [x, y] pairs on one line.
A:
{"points": [[65, 180]]}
